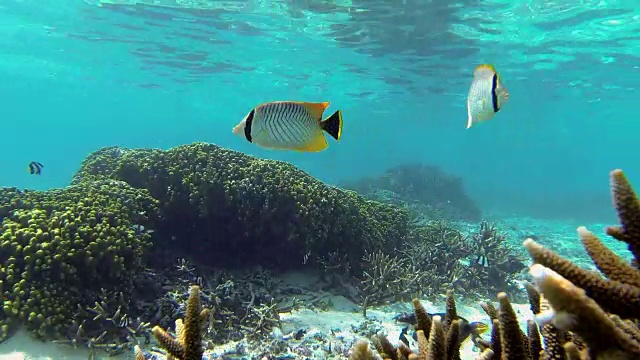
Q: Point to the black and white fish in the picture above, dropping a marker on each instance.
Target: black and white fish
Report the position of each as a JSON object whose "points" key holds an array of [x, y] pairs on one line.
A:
{"points": [[486, 96]]}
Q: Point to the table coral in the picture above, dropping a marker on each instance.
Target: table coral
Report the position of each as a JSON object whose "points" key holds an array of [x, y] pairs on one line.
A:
{"points": [[232, 209], [59, 248]]}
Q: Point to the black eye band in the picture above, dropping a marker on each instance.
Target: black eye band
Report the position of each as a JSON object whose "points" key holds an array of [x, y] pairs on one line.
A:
{"points": [[494, 96], [247, 125]]}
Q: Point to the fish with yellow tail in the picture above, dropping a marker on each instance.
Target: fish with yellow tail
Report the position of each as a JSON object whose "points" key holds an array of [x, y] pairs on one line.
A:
{"points": [[486, 96], [290, 125]]}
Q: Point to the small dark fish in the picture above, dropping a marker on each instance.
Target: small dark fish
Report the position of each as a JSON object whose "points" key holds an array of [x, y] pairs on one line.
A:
{"points": [[475, 329], [406, 318], [403, 335], [35, 168], [482, 261], [300, 334]]}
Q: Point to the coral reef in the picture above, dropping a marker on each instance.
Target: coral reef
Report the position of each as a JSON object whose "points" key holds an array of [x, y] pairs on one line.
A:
{"points": [[579, 314], [435, 257], [425, 189], [61, 248], [231, 209], [243, 305], [94, 264]]}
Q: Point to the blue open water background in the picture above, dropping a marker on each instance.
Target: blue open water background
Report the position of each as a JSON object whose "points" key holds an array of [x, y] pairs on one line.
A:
{"points": [[79, 75]]}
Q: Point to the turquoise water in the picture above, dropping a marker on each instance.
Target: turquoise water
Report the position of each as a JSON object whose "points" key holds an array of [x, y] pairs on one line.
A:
{"points": [[80, 75]]}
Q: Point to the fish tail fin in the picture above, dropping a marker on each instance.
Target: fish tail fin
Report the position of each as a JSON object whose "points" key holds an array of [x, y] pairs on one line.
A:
{"points": [[333, 125]]}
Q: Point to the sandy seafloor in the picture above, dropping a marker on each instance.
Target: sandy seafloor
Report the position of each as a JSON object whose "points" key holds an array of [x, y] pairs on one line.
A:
{"points": [[330, 333]]}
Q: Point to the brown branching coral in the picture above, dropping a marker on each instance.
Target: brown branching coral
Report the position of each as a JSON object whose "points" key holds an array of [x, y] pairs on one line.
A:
{"points": [[599, 314], [481, 263], [607, 337], [580, 315], [107, 326], [187, 345], [627, 206]]}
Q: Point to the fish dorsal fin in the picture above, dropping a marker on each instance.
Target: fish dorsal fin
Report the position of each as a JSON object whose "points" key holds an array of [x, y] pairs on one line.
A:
{"points": [[316, 109], [485, 67]]}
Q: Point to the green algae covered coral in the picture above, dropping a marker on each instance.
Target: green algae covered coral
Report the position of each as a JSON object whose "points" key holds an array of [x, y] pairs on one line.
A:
{"points": [[218, 202], [58, 248]]}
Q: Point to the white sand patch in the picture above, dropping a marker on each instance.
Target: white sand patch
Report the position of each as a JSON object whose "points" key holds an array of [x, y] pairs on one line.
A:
{"points": [[22, 346]]}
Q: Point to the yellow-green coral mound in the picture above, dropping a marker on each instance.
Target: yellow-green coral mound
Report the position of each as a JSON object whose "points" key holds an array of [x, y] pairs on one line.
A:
{"points": [[59, 247], [231, 207]]}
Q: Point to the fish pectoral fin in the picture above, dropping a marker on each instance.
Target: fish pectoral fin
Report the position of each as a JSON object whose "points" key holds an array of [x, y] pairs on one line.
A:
{"points": [[469, 120], [317, 143], [316, 109]]}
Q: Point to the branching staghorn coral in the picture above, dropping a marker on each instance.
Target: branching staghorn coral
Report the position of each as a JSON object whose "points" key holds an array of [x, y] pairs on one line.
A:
{"points": [[243, 304], [494, 263], [388, 278], [436, 250], [580, 314], [187, 344], [435, 257], [107, 326], [481, 263]]}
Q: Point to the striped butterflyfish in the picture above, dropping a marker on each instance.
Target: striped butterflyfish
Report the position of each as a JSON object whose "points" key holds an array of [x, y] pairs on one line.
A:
{"points": [[35, 168], [486, 96], [290, 125]]}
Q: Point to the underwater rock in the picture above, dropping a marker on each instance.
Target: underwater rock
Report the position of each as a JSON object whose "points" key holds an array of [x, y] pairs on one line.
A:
{"points": [[425, 189]]}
